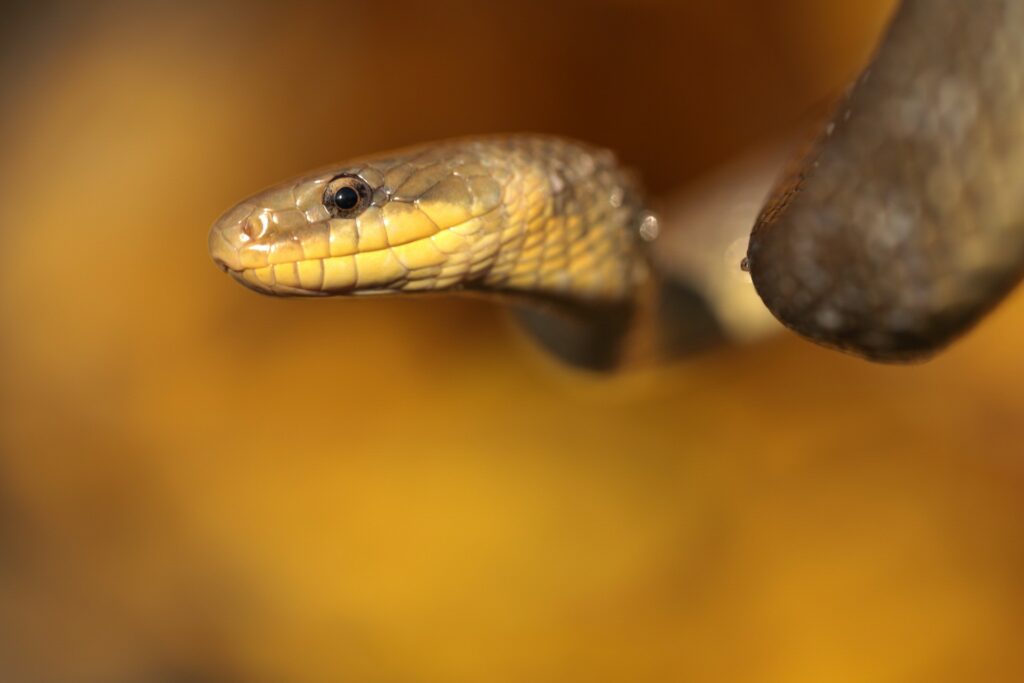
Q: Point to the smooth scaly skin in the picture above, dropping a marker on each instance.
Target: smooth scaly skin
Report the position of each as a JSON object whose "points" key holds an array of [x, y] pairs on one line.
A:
{"points": [[521, 215]]}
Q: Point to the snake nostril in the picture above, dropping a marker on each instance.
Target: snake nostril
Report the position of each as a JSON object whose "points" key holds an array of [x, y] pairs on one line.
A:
{"points": [[255, 226]]}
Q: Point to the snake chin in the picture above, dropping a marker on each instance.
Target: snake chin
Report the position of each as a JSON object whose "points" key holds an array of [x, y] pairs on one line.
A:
{"points": [[247, 277]]}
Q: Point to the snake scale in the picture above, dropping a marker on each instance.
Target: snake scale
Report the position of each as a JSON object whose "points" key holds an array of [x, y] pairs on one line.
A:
{"points": [[890, 236]]}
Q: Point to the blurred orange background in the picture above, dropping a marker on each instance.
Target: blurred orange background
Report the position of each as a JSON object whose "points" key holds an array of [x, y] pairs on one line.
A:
{"points": [[198, 484]]}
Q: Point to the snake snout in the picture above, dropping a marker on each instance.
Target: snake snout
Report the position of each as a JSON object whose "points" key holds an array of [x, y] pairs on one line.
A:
{"points": [[224, 249], [234, 234]]}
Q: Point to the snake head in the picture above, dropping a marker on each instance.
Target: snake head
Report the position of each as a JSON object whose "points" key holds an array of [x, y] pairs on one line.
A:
{"points": [[417, 221], [523, 215]]}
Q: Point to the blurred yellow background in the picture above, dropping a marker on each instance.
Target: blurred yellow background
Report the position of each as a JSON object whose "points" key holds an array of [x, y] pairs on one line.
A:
{"points": [[199, 484]]}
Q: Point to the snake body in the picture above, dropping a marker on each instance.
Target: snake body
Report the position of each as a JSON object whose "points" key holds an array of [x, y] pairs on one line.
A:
{"points": [[905, 223], [892, 235]]}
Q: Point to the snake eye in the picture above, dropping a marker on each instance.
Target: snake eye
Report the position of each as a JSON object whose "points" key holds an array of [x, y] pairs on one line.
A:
{"points": [[347, 196]]}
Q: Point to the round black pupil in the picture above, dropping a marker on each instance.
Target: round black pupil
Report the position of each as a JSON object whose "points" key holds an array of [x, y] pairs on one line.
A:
{"points": [[346, 198]]}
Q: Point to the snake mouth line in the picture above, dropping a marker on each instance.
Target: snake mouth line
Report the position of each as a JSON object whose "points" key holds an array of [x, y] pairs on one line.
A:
{"points": [[281, 290], [248, 278], [284, 290], [367, 273]]}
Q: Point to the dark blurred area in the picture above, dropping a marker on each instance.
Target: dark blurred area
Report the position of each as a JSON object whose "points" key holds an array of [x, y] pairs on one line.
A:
{"points": [[201, 485]]}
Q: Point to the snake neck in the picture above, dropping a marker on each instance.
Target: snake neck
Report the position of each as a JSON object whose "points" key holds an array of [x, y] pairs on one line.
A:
{"points": [[567, 226]]}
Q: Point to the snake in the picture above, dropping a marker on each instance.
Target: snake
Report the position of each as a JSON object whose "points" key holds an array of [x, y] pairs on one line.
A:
{"points": [[891, 234]]}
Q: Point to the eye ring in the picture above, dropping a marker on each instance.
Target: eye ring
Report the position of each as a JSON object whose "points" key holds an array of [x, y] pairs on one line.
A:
{"points": [[347, 196]]}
